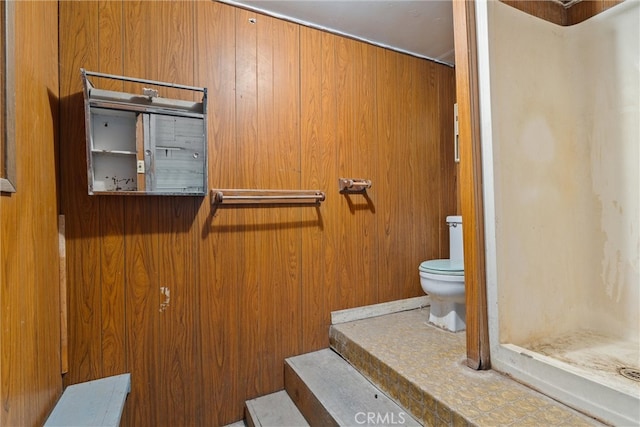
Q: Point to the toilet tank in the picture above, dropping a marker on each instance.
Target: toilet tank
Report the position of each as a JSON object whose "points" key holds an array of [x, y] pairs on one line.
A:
{"points": [[456, 251]]}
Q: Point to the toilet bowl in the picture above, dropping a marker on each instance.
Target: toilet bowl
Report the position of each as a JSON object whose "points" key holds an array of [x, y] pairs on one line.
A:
{"points": [[443, 281]]}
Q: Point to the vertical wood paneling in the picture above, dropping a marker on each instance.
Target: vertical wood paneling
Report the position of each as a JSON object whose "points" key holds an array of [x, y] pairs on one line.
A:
{"points": [[362, 162], [426, 243], [179, 324], [268, 172], [449, 200], [79, 49], [142, 300], [316, 170], [30, 379], [111, 210], [142, 276], [179, 327], [289, 107], [346, 291], [435, 231], [218, 261], [356, 159], [329, 136], [251, 352], [400, 119], [391, 138], [285, 83]]}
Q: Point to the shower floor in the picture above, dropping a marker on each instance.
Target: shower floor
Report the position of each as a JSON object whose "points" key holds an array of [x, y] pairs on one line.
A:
{"points": [[594, 355]]}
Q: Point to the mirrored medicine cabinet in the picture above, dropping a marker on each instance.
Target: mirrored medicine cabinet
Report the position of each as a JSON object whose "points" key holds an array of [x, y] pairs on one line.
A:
{"points": [[144, 144]]}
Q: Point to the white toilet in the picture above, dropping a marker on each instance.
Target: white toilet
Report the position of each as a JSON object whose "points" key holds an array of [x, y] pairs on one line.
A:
{"points": [[443, 281]]}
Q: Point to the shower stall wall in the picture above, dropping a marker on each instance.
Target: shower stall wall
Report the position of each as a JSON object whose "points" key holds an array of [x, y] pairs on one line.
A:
{"points": [[560, 123]]}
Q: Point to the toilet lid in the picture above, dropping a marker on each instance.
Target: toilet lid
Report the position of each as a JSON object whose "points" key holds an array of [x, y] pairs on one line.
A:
{"points": [[443, 266]]}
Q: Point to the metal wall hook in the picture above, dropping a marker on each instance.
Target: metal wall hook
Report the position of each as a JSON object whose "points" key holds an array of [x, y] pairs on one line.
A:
{"points": [[353, 185]]}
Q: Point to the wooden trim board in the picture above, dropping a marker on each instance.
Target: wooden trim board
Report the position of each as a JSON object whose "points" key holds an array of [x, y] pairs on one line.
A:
{"points": [[359, 313]]}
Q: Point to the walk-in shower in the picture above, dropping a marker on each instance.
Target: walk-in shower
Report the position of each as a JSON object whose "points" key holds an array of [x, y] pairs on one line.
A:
{"points": [[560, 123]]}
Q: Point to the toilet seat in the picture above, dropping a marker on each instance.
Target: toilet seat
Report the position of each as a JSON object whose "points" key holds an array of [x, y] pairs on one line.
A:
{"points": [[445, 267]]}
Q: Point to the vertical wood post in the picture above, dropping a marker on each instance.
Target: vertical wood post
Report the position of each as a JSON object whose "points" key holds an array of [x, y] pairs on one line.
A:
{"points": [[471, 183]]}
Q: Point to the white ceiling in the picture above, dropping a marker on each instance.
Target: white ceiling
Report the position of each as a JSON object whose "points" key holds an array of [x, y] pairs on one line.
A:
{"points": [[422, 28]]}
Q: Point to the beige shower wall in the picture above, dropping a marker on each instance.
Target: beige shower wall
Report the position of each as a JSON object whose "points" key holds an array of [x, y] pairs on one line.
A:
{"points": [[565, 143], [609, 123]]}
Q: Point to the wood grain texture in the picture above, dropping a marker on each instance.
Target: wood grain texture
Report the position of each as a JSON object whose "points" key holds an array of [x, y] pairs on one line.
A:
{"points": [[471, 186], [30, 353], [83, 250], [142, 262], [252, 352], [218, 244], [317, 171], [449, 170], [142, 299], [557, 13], [219, 277], [586, 9], [3, 118], [111, 210], [178, 288], [203, 307]]}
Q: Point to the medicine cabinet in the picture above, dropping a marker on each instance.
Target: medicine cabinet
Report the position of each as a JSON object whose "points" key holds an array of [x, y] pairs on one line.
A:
{"points": [[144, 143]]}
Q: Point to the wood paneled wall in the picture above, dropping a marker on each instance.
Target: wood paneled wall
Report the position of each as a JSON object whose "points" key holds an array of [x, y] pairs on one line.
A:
{"points": [[30, 379], [200, 308]]}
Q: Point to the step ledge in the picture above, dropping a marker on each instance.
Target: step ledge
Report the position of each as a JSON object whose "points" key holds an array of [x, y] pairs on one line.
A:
{"points": [[92, 403], [275, 409], [365, 312], [345, 396]]}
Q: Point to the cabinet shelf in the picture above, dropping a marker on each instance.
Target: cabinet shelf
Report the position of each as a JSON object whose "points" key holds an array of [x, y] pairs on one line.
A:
{"points": [[114, 152]]}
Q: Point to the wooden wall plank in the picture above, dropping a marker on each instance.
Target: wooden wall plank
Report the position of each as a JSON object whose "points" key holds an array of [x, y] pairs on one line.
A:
{"points": [[362, 163], [179, 335], [267, 171], [111, 210], [427, 243], [77, 28], [179, 331], [251, 352], [30, 380], [142, 300], [435, 231], [218, 246], [329, 137], [346, 290], [391, 134], [285, 83], [316, 174], [141, 266], [449, 170]]}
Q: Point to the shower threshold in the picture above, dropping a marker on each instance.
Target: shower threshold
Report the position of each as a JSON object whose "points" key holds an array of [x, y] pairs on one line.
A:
{"points": [[595, 355], [581, 369]]}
